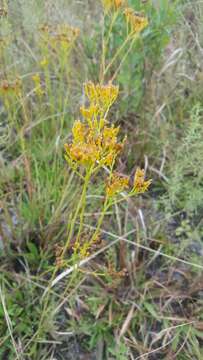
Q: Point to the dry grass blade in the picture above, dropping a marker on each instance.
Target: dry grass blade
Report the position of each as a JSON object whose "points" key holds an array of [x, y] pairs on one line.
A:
{"points": [[127, 322], [157, 252]]}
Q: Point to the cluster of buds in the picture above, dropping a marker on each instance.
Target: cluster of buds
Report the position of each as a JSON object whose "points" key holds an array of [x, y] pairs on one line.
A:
{"points": [[61, 35], [94, 143]]}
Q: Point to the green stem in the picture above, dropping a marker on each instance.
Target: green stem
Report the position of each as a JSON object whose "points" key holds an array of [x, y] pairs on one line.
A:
{"points": [[72, 225], [100, 221], [123, 60], [81, 203], [116, 54]]}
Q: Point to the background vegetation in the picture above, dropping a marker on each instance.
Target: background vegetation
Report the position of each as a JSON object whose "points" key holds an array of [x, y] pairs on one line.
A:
{"points": [[141, 297]]}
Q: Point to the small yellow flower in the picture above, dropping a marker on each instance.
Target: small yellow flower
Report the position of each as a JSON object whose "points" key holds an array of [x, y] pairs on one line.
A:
{"points": [[110, 139], [116, 185], [44, 62], [90, 114], [79, 132], [36, 78], [139, 184], [110, 135], [38, 88], [109, 159], [137, 21], [84, 250]]}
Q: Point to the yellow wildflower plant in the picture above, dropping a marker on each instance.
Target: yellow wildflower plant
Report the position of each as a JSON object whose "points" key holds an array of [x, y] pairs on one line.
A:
{"points": [[137, 21], [95, 146]]}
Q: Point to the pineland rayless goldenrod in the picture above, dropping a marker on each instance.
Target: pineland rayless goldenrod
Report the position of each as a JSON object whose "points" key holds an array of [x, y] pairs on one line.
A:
{"points": [[95, 143], [95, 146]]}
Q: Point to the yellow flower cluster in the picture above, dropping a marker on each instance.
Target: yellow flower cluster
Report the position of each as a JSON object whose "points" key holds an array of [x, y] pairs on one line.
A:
{"points": [[116, 185], [94, 143], [137, 21], [61, 35], [139, 184], [101, 96], [113, 4]]}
